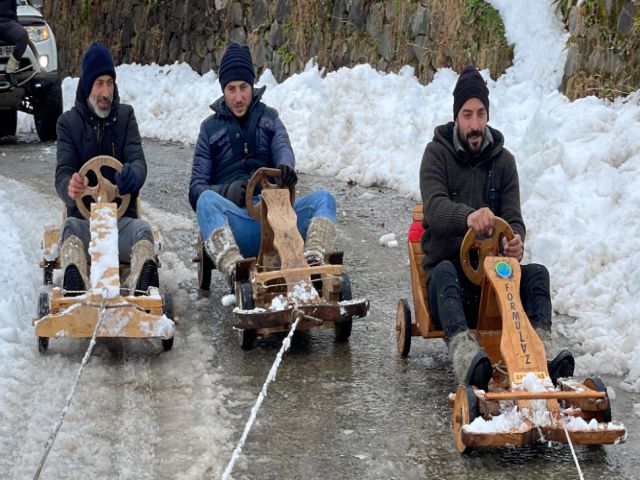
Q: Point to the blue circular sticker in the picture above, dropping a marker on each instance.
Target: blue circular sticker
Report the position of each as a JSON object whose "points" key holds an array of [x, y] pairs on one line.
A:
{"points": [[503, 269]]}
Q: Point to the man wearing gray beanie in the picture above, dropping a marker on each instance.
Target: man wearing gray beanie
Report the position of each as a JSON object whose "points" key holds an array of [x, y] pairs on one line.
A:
{"points": [[242, 135], [467, 178]]}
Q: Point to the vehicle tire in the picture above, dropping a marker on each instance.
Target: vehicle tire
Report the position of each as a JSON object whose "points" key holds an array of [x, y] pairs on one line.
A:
{"points": [[47, 274], [246, 338], [167, 304], [43, 310], [343, 329], [205, 266], [596, 383], [46, 110], [403, 327], [8, 122], [465, 411]]}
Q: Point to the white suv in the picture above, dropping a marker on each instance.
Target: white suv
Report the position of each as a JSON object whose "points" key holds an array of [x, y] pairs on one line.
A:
{"points": [[39, 90]]}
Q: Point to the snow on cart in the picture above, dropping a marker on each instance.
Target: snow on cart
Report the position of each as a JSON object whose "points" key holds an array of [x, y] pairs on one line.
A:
{"points": [[521, 405], [104, 308]]}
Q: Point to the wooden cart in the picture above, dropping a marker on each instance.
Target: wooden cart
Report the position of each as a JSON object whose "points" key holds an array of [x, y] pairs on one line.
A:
{"points": [[279, 284], [521, 388], [144, 315]]}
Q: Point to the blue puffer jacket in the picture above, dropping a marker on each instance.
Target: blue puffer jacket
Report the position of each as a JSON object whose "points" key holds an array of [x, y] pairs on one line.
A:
{"points": [[226, 152], [82, 136]]}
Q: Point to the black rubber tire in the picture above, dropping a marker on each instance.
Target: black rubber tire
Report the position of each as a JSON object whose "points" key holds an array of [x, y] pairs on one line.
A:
{"points": [[47, 108], [465, 411], [43, 310], [403, 328], [246, 338], [47, 274], [205, 267], [596, 383], [343, 329], [167, 305], [8, 122]]}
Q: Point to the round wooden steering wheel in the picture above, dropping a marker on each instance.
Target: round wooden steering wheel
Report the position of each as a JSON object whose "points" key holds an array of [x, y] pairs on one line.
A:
{"points": [[261, 176], [485, 246], [103, 190]]}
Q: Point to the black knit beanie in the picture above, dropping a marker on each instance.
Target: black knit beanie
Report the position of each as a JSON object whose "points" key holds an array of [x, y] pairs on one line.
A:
{"points": [[470, 85], [236, 64], [97, 61]]}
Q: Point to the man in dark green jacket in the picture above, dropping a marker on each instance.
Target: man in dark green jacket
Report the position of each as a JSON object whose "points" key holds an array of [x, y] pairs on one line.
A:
{"points": [[467, 178]]}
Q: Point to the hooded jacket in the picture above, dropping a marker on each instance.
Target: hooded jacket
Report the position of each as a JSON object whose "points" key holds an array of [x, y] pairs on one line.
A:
{"points": [[453, 185], [82, 135], [225, 151], [8, 9]]}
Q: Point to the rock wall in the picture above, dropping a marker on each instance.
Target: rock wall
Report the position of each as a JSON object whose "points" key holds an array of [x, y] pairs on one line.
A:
{"points": [[285, 34], [604, 49]]}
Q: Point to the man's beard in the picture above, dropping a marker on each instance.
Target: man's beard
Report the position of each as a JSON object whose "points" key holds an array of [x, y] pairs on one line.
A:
{"points": [[93, 103], [467, 144]]}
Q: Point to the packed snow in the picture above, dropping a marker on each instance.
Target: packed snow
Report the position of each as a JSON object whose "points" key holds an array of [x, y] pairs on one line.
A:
{"points": [[579, 168]]}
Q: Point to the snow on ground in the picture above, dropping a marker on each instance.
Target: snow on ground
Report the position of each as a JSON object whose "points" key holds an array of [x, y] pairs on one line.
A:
{"points": [[579, 161], [145, 390]]}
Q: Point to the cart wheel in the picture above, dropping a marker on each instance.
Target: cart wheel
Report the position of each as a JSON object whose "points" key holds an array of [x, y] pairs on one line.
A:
{"points": [[343, 329], [596, 383], [245, 337], [167, 304], [465, 410], [43, 310], [403, 327], [47, 274], [205, 266]]}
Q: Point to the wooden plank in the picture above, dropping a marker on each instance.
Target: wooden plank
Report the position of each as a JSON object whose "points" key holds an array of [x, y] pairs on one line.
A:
{"points": [[419, 290], [521, 348], [524, 395], [264, 277], [103, 249], [418, 213], [287, 240], [499, 439], [51, 243]]}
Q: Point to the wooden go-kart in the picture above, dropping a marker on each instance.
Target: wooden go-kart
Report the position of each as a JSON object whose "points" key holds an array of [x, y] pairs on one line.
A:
{"points": [[144, 315], [272, 289], [521, 405]]}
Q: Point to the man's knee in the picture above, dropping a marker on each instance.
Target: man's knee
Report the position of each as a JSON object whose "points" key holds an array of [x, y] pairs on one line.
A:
{"points": [[77, 227], [141, 230], [208, 200], [536, 274]]}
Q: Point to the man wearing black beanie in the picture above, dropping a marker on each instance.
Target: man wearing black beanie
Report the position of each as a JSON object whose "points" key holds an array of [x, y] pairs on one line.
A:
{"points": [[98, 124], [241, 136], [467, 178]]}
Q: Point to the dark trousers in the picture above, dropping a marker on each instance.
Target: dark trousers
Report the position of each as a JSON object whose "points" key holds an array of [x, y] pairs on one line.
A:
{"points": [[454, 300], [14, 34]]}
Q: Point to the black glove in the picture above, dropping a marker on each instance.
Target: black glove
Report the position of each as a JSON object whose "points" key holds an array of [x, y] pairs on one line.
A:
{"points": [[288, 176], [236, 192], [127, 180]]}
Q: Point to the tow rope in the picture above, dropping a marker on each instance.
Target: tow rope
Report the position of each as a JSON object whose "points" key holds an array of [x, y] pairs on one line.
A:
{"points": [[286, 343]]}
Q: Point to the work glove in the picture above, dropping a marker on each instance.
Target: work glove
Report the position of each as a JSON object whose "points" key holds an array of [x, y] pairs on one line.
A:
{"points": [[236, 192], [127, 180], [288, 176]]}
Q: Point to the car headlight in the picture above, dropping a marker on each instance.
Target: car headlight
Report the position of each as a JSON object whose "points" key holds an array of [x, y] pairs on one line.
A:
{"points": [[38, 33]]}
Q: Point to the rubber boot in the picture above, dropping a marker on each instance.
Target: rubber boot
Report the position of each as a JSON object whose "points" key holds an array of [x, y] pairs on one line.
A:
{"points": [[562, 363], [321, 235], [73, 261], [471, 365], [11, 68], [221, 246], [144, 271]]}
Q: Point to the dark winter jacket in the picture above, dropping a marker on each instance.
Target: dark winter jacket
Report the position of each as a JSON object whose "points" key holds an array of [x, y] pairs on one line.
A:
{"points": [[453, 185], [82, 135], [8, 9], [226, 151]]}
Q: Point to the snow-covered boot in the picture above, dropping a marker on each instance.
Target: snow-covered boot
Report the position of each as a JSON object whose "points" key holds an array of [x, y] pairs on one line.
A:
{"points": [[221, 246], [73, 261], [562, 362], [321, 235], [144, 271], [471, 365], [11, 68]]}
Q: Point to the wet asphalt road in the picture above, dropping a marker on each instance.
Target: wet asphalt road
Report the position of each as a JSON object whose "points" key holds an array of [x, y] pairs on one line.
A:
{"points": [[340, 411]]}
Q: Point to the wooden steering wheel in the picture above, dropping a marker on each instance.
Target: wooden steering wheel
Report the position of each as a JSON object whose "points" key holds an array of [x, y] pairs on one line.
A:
{"points": [[102, 190], [485, 246], [261, 176]]}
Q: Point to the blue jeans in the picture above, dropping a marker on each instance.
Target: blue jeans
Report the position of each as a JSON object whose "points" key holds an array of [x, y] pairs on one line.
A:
{"points": [[213, 211]]}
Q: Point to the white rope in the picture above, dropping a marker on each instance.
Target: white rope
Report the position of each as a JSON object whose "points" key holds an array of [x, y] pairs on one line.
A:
{"points": [[573, 452], [54, 434], [286, 343]]}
